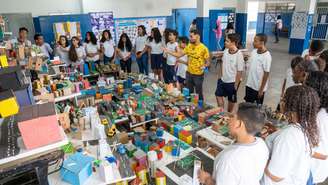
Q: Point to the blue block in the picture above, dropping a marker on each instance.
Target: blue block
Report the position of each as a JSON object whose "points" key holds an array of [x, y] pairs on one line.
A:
{"points": [[86, 69], [76, 169], [91, 92], [185, 92]]}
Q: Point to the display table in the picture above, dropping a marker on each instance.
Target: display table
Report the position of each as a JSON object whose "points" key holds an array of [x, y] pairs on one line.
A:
{"points": [[214, 138]]}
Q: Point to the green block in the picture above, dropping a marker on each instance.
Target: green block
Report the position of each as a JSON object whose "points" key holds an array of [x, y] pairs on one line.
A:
{"points": [[68, 148]]}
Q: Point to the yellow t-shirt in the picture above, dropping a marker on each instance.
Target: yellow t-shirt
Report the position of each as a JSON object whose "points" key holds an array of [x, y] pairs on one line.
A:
{"points": [[197, 55]]}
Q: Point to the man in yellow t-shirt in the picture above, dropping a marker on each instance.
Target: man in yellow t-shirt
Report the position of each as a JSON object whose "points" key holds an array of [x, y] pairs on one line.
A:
{"points": [[198, 60]]}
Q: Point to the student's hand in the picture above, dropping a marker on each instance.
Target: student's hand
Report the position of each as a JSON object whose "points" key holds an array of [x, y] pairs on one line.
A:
{"points": [[165, 50], [203, 176], [236, 86], [260, 94], [307, 58]]}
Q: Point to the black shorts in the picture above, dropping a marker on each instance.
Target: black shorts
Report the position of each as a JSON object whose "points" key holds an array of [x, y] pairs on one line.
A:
{"points": [[252, 96], [181, 80], [156, 61], [226, 90]]}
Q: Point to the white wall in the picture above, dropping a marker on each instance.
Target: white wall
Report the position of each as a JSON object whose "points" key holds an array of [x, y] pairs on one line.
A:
{"points": [[183, 4], [41, 7], [215, 4]]}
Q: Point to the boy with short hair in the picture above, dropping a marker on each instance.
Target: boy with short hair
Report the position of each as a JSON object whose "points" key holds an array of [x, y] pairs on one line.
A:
{"points": [[243, 162], [233, 65], [46, 50], [259, 70]]}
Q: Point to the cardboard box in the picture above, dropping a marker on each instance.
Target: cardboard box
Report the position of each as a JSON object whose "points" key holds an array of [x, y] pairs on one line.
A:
{"points": [[76, 169]]}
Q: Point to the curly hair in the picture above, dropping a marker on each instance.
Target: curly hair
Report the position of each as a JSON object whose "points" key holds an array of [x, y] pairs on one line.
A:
{"points": [[324, 56], [103, 38], [93, 38], [304, 101], [319, 81]]}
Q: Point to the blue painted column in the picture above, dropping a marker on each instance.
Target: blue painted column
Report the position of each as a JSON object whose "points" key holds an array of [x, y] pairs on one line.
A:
{"points": [[301, 26], [241, 27], [241, 20], [203, 21]]}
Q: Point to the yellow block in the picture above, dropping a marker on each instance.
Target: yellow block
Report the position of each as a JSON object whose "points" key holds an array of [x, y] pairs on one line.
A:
{"points": [[3, 61], [8, 107], [122, 183], [188, 140], [161, 180]]}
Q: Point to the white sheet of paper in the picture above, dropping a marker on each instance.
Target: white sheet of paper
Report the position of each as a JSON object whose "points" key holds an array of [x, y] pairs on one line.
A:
{"points": [[185, 180], [323, 18]]}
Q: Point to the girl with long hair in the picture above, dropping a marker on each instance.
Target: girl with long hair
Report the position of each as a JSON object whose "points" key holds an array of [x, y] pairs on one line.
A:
{"points": [[155, 45], [141, 50], [107, 46], [292, 146], [124, 49], [62, 49], [92, 47], [76, 54]]}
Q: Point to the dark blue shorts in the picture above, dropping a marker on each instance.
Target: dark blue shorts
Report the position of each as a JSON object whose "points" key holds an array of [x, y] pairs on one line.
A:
{"points": [[156, 61], [251, 96], [181, 80], [226, 90]]}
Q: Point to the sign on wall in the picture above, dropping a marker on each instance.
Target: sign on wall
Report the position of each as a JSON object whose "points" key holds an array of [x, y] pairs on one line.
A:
{"points": [[130, 27], [299, 25], [101, 21], [69, 29]]}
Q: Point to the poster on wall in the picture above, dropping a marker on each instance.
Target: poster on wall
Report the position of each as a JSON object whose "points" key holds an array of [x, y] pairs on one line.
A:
{"points": [[70, 29], [299, 25], [101, 21], [130, 27]]}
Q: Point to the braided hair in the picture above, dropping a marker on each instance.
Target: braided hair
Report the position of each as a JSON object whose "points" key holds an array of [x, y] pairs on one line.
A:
{"points": [[304, 101], [319, 81]]}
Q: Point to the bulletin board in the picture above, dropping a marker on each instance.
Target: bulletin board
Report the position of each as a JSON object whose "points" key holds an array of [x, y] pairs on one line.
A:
{"points": [[101, 21], [70, 29], [130, 26]]}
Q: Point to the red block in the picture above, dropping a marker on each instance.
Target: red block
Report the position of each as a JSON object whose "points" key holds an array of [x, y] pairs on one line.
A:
{"points": [[159, 154]]}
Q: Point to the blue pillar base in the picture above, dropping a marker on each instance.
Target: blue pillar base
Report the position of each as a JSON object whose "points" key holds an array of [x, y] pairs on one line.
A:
{"points": [[241, 27], [298, 45], [203, 25], [260, 23]]}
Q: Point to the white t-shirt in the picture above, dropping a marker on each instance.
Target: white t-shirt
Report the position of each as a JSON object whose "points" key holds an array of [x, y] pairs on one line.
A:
{"points": [[14, 42], [124, 52], [305, 52], [241, 164], [92, 48], [259, 63], [109, 48], [290, 157], [279, 24], [46, 50], [231, 64], [156, 48], [182, 68], [80, 51], [63, 54], [319, 168], [140, 43], [289, 78], [171, 60]]}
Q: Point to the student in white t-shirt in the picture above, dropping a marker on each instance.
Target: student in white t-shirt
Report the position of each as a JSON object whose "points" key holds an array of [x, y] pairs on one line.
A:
{"points": [[171, 61], [288, 81], [124, 49], [21, 41], [77, 54], [278, 28], [46, 50], [290, 159], [62, 49], [155, 44], [259, 69], [319, 168], [243, 162], [312, 54], [182, 64], [141, 50], [107, 46], [233, 65], [92, 47]]}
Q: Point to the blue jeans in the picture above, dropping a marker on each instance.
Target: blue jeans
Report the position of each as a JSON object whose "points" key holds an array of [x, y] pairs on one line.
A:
{"points": [[107, 59], [310, 180], [143, 64]]}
